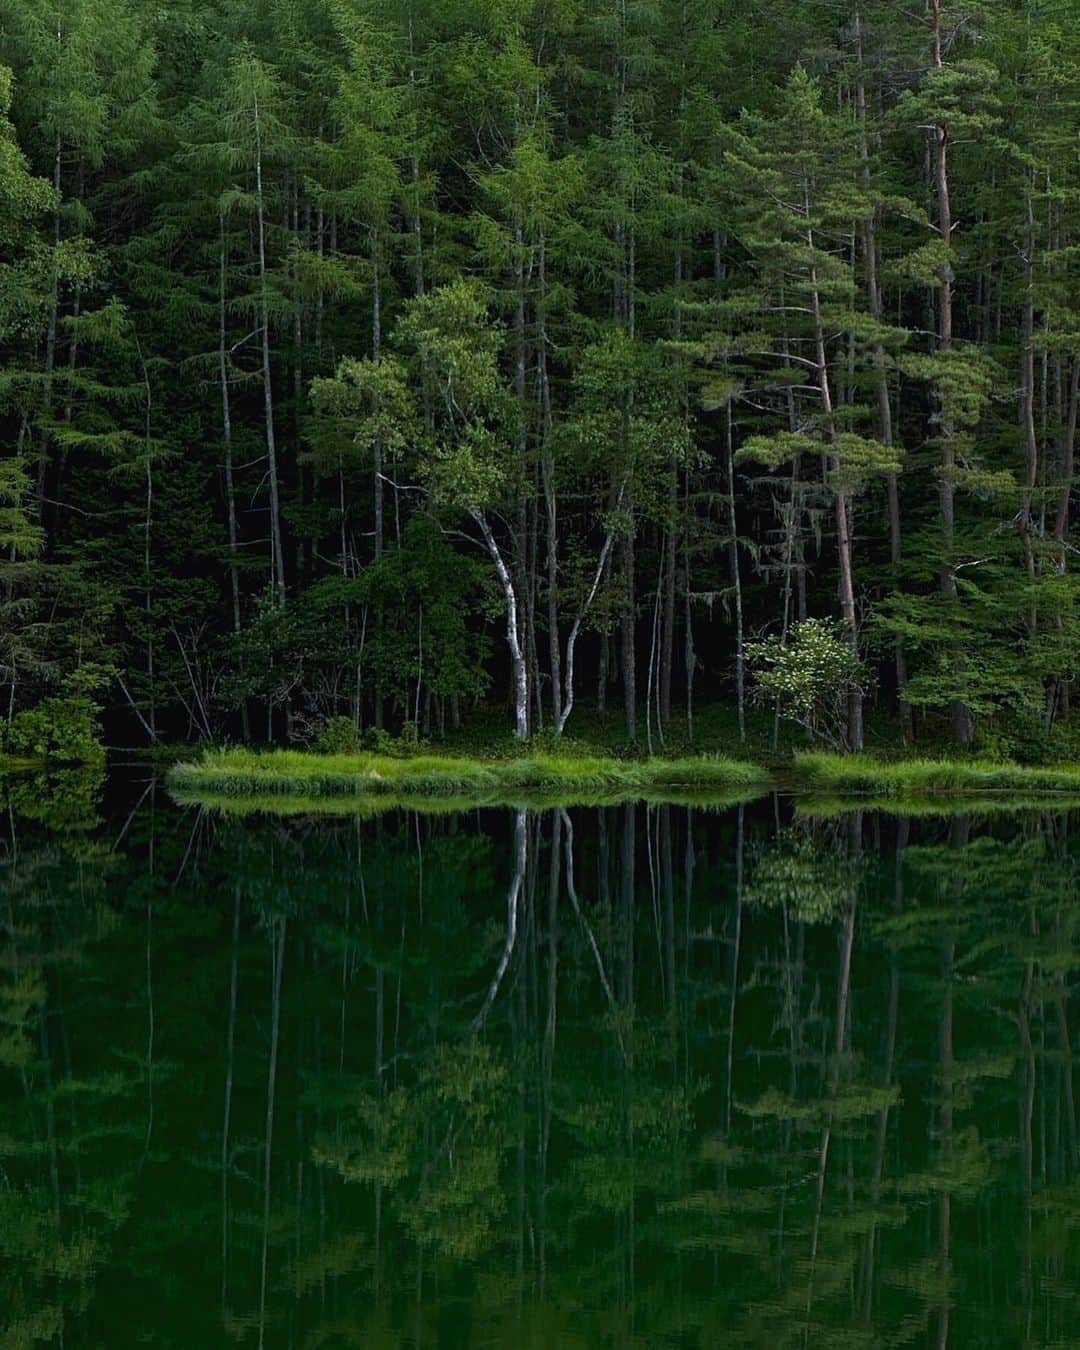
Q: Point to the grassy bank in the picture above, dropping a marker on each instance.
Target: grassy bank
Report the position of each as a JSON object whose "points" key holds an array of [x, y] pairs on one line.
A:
{"points": [[846, 775], [298, 781], [301, 775]]}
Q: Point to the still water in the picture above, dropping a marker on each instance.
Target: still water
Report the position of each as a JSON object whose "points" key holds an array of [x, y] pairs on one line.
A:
{"points": [[616, 1076]]}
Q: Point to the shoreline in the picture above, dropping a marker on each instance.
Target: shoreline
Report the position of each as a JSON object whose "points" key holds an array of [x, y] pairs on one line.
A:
{"points": [[243, 773], [297, 777]]}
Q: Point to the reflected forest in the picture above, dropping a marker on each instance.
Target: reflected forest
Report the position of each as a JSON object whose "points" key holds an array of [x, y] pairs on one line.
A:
{"points": [[634, 1075]]}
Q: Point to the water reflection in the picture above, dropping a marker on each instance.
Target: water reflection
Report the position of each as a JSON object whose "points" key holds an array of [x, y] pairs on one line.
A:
{"points": [[613, 1076]]}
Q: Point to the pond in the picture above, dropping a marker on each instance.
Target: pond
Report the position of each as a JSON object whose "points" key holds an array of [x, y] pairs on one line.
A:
{"points": [[634, 1075]]}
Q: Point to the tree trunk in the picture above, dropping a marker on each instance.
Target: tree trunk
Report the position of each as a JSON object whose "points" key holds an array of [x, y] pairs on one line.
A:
{"points": [[378, 482], [629, 647], [571, 641], [50, 341], [519, 676], [298, 380], [736, 582], [689, 653], [1068, 457], [840, 501], [226, 436], [1027, 404], [961, 718], [547, 471], [885, 417], [277, 553], [667, 646]]}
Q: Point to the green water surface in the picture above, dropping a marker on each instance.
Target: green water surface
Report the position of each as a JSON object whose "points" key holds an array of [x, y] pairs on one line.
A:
{"points": [[623, 1076]]}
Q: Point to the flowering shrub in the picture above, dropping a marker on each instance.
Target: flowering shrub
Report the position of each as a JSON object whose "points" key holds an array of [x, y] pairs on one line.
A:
{"points": [[810, 674]]}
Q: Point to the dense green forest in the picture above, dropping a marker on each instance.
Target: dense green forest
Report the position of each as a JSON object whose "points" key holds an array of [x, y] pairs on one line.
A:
{"points": [[379, 359]]}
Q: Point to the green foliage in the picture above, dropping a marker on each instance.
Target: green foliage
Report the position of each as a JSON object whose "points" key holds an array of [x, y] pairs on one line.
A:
{"points": [[62, 729], [366, 404], [340, 736], [803, 875], [810, 676], [649, 303], [64, 800], [455, 347], [427, 595]]}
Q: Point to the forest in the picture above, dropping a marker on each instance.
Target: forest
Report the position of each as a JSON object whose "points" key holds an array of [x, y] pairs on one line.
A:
{"points": [[370, 366]]}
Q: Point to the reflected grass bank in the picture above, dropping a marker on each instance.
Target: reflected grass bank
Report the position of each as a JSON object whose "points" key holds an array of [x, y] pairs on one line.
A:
{"points": [[368, 806], [984, 806]]}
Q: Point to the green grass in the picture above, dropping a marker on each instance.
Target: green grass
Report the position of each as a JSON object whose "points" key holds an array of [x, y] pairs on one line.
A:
{"points": [[301, 782], [302, 775], [835, 775]]}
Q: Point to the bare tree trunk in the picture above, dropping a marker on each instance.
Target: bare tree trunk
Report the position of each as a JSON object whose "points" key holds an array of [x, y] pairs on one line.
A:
{"points": [[513, 629], [50, 336], [1027, 404], [226, 436], [277, 552], [532, 591], [961, 718], [547, 470], [571, 641], [520, 555], [736, 581], [1068, 458], [629, 651], [667, 646], [689, 653], [298, 379], [885, 417], [840, 501], [378, 483], [652, 677], [1059, 700]]}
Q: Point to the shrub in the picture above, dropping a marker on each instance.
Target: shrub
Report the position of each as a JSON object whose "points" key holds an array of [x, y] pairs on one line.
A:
{"points": [[378, 740], [810, 674], [339, 737], [59, 729]]}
